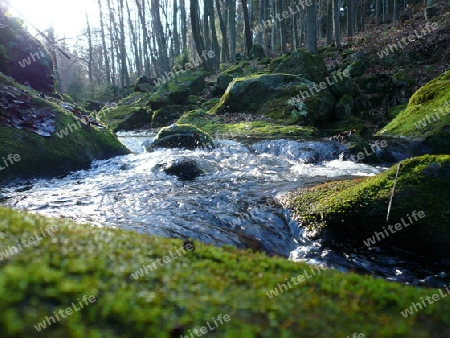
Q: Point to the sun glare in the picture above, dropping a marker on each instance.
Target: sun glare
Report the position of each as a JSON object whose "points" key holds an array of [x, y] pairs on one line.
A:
{"points": [[67, 16]]}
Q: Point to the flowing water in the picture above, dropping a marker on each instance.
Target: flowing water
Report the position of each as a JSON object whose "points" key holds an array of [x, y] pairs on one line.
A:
{"points": [[233, 203]]}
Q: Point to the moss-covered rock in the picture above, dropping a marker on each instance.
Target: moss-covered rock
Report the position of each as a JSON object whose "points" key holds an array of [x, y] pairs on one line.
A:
{"points": [[23, 57], [356, 68], [427, 116], [301, 62], [184, 168], [181, 136], [242, 69], [73, 145], [167, 115], [197, 285], [258, 129], [282, 97], [257, 52], [132, 112], [356, 209], [178, 88], [344, 107]]}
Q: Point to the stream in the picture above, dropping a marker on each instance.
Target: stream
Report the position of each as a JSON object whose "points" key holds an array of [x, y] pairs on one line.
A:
{"points": [[234, 203]]}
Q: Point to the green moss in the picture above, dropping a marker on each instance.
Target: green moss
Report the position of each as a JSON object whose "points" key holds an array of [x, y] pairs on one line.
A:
{"points": [[192, 289], [252, 129], [427, 116], [131, 113], [359, 207], [50, 156]]}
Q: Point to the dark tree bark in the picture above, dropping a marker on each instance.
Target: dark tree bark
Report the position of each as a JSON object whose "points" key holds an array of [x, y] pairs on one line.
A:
{"points": [[163, 60], [336, 23], [350, 18], [231, 9], [248, 32], [311, 31], [223, 30], [199, 43]]}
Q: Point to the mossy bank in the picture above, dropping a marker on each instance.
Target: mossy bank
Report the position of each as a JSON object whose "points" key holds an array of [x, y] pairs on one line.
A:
{"points": [[73, 145], [356, 209], [194, 287]]}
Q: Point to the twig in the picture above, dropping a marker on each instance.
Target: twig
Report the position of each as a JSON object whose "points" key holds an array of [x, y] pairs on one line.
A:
{"points": [[392, 194]]}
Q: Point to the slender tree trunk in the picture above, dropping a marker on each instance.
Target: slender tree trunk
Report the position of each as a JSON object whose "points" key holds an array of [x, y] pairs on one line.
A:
{"points": [[350, 18], [163, 59], [329, 22], [336, 23], [206, 34], [199, 43], [223, 30], [89, 36], [125, 77], [215, 42], [105, 49], [231, 4], [311, 31], [145, 37], [176, 35], [282, 26], [134, 42], [183, 25], [248, 32]]}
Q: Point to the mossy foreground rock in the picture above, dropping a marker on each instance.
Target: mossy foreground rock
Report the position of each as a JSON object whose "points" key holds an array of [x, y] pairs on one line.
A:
{"points": [[70, 143], [181, 136], [358, 208], [279, 97], [181, 290], [427, 116]]}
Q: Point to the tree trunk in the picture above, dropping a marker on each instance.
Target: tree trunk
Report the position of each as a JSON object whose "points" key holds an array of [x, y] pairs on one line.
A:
{"points": [[145, 37], [223, 30], [282, 26], [125, 77], [89, 36], [329, 22], [134, 42], [248, 32], [231, 4], [163, 60], [350, 18], [215, 42], [183, 25], [176, 35], [105, 49], [336, 23], [311, 31], [199, 43]]}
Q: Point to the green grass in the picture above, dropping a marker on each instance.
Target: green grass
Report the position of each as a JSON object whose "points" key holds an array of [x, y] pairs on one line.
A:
{"points": [[188, 291]]}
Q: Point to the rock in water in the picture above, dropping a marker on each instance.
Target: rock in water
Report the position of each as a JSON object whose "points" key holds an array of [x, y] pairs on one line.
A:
{"points": [[184, 168]]}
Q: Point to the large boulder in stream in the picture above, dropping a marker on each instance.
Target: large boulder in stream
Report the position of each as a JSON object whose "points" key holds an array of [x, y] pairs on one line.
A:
{"points": [[426, 117], [284, 98], [181, 136], [184, 168], [419, 221]]}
